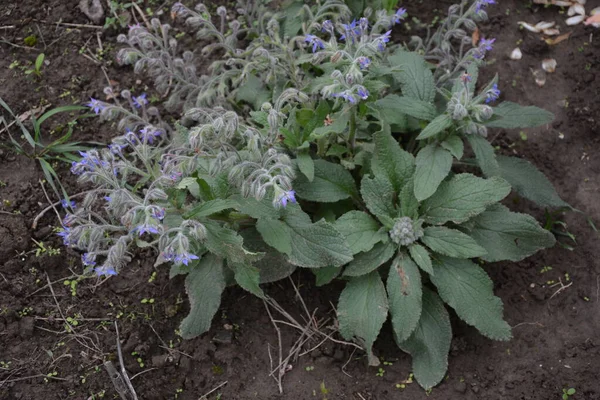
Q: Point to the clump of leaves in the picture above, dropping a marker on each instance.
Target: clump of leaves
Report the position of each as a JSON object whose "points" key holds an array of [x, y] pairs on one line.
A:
{"points": [[334, 150]]}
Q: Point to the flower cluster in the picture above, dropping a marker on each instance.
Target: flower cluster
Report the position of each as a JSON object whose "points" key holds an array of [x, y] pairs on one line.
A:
{"points": [[406, 231]]}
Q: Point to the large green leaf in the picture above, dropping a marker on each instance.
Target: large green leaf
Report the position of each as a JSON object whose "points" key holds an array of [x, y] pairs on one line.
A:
{"points": [[339, 125], [510, 115], [326, 275], [529, 182], [386, 111], [429, 344], [421, 256], [390, 161], [469, 291], [360, 230], [433, 165], [211, 207], [248, 277], [399, 104], [306, 165], [462, 197], [438, 125], [331, 183], [315, 245], [485, 155], [451, 242], [369, 261], [507, 235], [255, 208], [414, 76], [274, 265], [362, 309], [276, 234], [454, 144], [405, 295], [409, 205], [378, 194], [228, 244], [204, 285]]}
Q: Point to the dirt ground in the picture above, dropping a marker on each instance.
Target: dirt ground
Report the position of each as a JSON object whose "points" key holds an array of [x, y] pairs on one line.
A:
{"points": [[556, 341]]}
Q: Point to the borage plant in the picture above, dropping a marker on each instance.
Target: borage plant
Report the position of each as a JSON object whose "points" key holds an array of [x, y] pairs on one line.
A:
{"points": [[352, 165]]}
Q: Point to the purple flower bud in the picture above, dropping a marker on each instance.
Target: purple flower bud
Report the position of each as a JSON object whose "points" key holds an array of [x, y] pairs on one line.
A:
{"points": [[158, 213], [492, 94], [140, 101], [64, 233], [88, 259], [95, 105], [327, 26], [363, 93], [66, 204], [363, 62]]}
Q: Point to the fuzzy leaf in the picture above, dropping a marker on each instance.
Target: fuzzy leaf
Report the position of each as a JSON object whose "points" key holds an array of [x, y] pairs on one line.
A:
{"points": [[529, 182], [415, 76], [433, 165], [405, 295], [429, 343], [469, 291], [204, 285], [369, 261], [439, 124], [339, 125], [276, 234], [306, 165], [316, 245], [331, 183], [362, 309], [463, 197], [227, 244], [398, 104], [485, 155], [378, 194], [326, 275], [273, 266], [451, 242], [409, 205], [454, 145], [256, 209], [507, 235], [386, 111], [510, 115], [211, 207], [248, 277], [390, 161], [420, 255], [360, 230]]}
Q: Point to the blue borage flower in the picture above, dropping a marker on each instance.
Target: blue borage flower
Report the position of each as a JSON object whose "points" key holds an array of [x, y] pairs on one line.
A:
{"points": [[465, 78], [116, 148], [350, 30], [485, 45], [66, 203], [492, 94], [315, 42], [149, 133], [481, 4], [90, 161], [287, 196], [88, 259], [363, 62], [346, 95], [64, 234], [147, 228], [158, 213], [105, 270], [140, 101], [327, 26], [363, 93], [95, 105], [400, 15], [182, 258], [382, 40]]}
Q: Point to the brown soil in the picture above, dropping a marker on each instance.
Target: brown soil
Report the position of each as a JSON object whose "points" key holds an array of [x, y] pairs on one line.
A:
{"points": [[556, 343]]}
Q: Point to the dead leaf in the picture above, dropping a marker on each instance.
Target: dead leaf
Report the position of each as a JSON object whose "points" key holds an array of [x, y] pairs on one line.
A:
{"points": [[475, 36], [558, 39]]}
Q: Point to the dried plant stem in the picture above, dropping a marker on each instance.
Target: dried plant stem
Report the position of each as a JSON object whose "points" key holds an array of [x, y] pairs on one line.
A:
{"points": [[205, 395], [123, 370]]}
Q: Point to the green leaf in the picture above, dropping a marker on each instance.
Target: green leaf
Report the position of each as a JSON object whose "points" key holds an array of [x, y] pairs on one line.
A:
{"points": [[306, 165], [451, 242], [248, 277], [331, 183], [316, 245], [276, 234], [454, 145], [227, 244], [409, 205], [463, 197], [387, 112], [390, 161], [256, 209], [253, 92], [339, 125], [469, 291], [360, 230], [394, 104], [211, 207], [508, 235], [433, 165], [484, 152], [405, 295], [429, 343], [529, 182], [378, 195], [362, 309], [420, 255], [273, 266], [439, 124], [204, 285], [510, 115], [365, 263], [326, 275], [415, 76]]}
